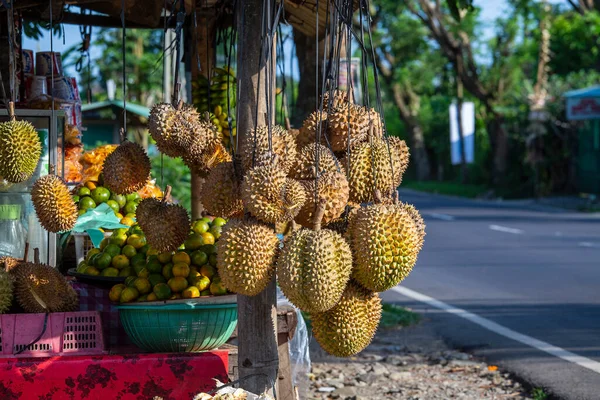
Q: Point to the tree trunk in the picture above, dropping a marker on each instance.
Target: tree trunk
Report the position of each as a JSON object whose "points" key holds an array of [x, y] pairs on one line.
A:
{"points": [[415, 133], [257, 315], [308, 63], [498, 138]]}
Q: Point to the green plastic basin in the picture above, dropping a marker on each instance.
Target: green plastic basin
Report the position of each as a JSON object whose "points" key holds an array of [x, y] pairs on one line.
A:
{"points": [[178, 328]]}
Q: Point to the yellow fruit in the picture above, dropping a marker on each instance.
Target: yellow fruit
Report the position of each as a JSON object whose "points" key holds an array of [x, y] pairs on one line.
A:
{"points": [[120, 262], [115, 292], [142, 272], [202, 283], [137, 241], [151, 297], [127, 169], [193, 276], [127, 221], [110, 272], [217, 288], [53, 203], [190, 292], [165, 257], [208, 238], [118, 240], [20, 150], [177, 284], [128, 295], [142, 285], [90, 185], [181, 270], [181, 257], [91, 271]]}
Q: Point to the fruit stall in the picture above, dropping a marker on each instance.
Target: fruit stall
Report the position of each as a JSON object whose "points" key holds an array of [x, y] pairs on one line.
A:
{"points": [[109, 288]]}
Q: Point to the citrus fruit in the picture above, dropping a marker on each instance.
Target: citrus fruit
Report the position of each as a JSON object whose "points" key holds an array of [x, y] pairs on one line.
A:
{"points": [[216, 231], [181, 270], [181, 257], [127, 271], [219, 222], [128, 295], [199, 258], [212, 260], [162, 291], [165, 257], [120, 262], [81, 267], [130, 207], [190, 292], [83, 191], [156, 279], [119, 198], [153, 265], [206, 219], [208, 238], [137, 241], [127, 221], [103, 260], [110, 272], [137, 258], [112, 249], [217, 288], [144, 249], [143, 297], [91, 271], [100, 195], [142, 285], [86, 203], [209, 249], [177, 283], [193, 276], [205, 292], [91, 253], [115, 292], [128, 251], [81, 212], [200, 226], [202, 283], [167, 271], [152, 296], [142, 272], [90, 185], [133, 197], [114, 205], [208, 271], [193, 241], [119, 240]]}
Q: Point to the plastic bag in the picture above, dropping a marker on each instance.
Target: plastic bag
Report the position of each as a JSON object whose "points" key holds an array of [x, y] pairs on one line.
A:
{"points": [[299, 350]]}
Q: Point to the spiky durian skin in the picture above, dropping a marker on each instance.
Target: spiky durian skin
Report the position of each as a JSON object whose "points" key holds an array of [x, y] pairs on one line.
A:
{"points": [[254, 150], [385, 244], [347, 125], [310, 126], [6, 291], [48, 285], [314, 268], [165, 225], [203, 161], [127, 169], [350, 326], [333, 188], [270, 196], [340, 225], [378, 165], [246, 254], [305, 166], [20, 150], [340, 97], [419, 223], [54, 206], [221, 192]]}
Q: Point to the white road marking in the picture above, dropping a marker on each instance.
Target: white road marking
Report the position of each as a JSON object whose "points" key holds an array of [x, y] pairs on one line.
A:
{"points": [[506, 229], [587, 244], [444, 217], [502, 330]]}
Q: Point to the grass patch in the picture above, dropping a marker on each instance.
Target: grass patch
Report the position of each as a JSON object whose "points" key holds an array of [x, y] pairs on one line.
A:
{"points": [[538, 394], [391, 316], [447, 188]]}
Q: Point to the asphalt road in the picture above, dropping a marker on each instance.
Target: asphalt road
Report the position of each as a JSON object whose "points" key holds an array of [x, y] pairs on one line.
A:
{"points": [[533, 271]]}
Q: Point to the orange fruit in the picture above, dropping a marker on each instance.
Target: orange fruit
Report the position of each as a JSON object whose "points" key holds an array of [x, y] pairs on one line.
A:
{"points": [[118, 240], [103, 260], [129, 251], [137, 241], [91, 253], [193, 276], [181, 257], [113, 250], [142, 272], [202, 283], [152, 297], [165, 257], [120, 262], [90, 185], [128, 295], [127, 221], [208, 238], [115, 292], [110, 272], [199, 258], [208, 270], [153, 265], [142, 285], [190, 292], [177, 284], [200, 226], [91, 271], [193, 242], [167, 271], [181, 269], [162, 291]]}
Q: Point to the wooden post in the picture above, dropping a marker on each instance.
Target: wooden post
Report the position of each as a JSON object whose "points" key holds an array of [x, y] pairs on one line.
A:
{"points": [[257, 316], [206, 53]]}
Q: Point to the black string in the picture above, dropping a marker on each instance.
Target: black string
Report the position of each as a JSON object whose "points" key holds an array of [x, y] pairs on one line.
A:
{"points": [[124, 77], [11, 27], [178, 31], [37, 339]]}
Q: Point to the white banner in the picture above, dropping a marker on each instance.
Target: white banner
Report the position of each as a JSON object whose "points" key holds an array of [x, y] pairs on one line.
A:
{"points": [[468, 129], [583, 108]]}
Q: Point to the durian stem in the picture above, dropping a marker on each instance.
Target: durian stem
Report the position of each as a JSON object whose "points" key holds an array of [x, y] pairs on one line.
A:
{"points": [[377, 196], [36, 255], [396, 197], [122, 135], [319, 213], [51, 169], [179, 105], [167, 195], [26, 252], [11, 110]]}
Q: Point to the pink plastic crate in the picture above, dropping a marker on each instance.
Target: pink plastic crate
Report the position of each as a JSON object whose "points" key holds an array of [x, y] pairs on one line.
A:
{"points": [[69, 333]]}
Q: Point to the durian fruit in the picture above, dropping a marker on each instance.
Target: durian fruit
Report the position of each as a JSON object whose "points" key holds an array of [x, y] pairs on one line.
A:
{"points": [[305, 167], [246, 254], [254, 150], [165, 225], [20, 150], [270, 196], [201, 159], [308, 131], [375, 122], [419, 223], [349, 327], [377, 164], [347, 123], [339, 97], [385, 243], [340, 225], [333, 189], [54, 206], [127, 169], [8, 263], [39, 288], [6, 291], [221, 191], [314, 267]]}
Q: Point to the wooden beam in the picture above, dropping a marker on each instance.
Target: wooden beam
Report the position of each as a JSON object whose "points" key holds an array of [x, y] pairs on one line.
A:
{"points": [[257, 315]]}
